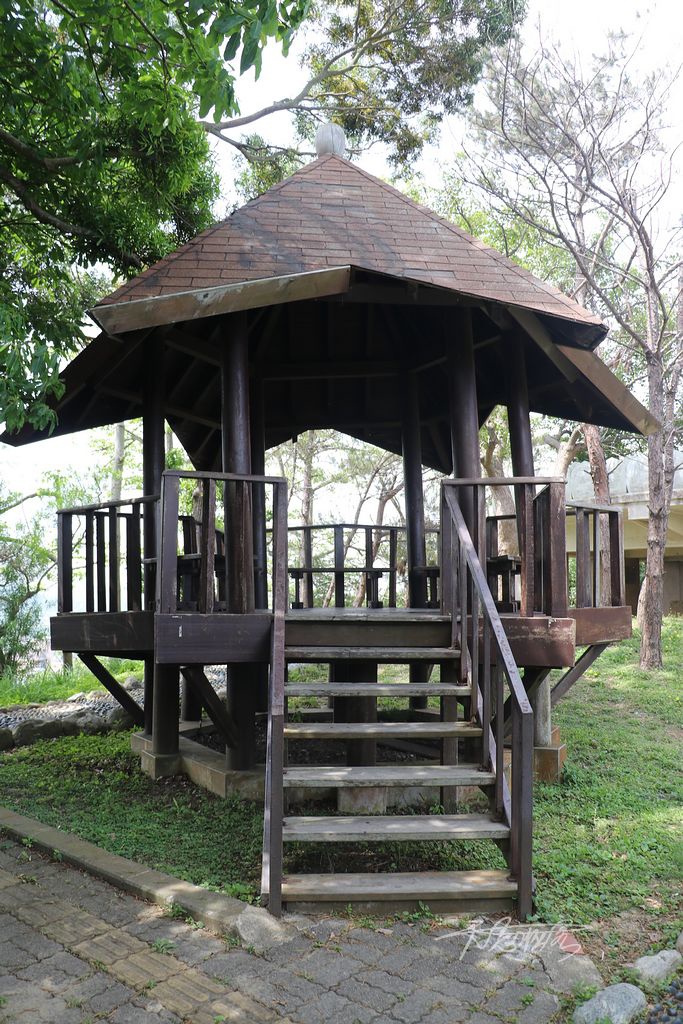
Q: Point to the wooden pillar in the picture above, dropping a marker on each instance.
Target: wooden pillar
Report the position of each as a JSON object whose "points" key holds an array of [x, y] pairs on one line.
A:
{"points": [[519, 424], [236, 453], [258, 468], [153, 462], [464, 411], [415, 514], [522, 454]]}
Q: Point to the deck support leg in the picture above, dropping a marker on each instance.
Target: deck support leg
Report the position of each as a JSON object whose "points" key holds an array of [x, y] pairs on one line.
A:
{"points": [[243, 699], [164, 757], [190, 704], [415, 515], [357, 709]]}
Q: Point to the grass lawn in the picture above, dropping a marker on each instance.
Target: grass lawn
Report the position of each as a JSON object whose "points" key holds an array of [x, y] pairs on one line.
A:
{"points": [[608, 839], [51, 684]]}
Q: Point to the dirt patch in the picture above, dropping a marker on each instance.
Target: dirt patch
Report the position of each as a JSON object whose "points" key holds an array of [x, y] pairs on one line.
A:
{"points": [[614, 942]]}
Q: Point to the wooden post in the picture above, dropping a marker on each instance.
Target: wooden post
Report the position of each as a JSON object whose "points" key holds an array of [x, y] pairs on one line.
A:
{"points": [[521, 450], [239, 548], [258, 512], [415, 514], [464, 413], [153, 462]]}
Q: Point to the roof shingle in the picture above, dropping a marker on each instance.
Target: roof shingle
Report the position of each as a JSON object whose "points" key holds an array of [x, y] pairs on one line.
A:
{"points": [[332, 213]]}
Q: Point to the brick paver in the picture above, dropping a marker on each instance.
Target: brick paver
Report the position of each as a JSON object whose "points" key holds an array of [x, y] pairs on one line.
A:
{"points": [[74, 950]]}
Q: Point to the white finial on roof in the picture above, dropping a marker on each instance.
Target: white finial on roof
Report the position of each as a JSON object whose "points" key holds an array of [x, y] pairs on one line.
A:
{"points": [[330, 138]]}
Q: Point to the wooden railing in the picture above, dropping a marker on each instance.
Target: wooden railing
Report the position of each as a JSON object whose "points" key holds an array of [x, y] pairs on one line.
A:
{"points": [[540, 518], [487, 662], [382, 558], [591, 562], [209, 570], [107, 540]]}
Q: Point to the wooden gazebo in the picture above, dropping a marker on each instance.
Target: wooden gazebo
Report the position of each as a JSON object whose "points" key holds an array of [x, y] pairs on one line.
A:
{"points": [[335, 301]]}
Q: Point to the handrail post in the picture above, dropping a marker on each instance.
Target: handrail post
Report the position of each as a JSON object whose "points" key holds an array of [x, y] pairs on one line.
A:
{"points": [[522, 808], [272, 822], [527, 549], [597, 596], [167, 575], [339, 582], [556, 554], [583, 577], [65, 562], [616, 557]]}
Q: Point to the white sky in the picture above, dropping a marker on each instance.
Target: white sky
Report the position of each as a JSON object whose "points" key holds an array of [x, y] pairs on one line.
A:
{"points": [[583, 24]]}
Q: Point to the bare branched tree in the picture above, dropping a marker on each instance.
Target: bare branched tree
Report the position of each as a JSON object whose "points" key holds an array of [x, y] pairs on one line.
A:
{"points": [[580, 156]]}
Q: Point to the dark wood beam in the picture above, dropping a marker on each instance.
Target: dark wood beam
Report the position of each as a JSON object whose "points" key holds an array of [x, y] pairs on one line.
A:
{"points": [[328, 371], [107, 680]]}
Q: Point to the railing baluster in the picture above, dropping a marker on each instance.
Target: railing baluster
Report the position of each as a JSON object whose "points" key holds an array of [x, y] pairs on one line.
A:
{"points": [[498, 678], [307, 542], [207, 554], [527, 551], [113, 560], [486, 693], [596, 560], [339, 582], [167, 578], [616, 557], [556, 553], [393, 567], [89, 562], [583, 571], [100, 543], [65, 562], [462, 611], [133, 560]]}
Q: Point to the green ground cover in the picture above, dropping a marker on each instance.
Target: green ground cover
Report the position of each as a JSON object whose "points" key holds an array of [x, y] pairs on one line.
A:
{"points": [[52, 684], [608, 839]]}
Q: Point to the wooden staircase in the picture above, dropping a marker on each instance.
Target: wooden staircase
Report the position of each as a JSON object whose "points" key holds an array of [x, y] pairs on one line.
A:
{"points": [[443, 890], [465, 732]]}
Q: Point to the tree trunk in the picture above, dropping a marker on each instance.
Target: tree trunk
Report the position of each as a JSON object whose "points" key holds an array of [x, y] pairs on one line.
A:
{"points": [[503, 501], [119, 461], [653, 600], [598, 467], [566, 452]]}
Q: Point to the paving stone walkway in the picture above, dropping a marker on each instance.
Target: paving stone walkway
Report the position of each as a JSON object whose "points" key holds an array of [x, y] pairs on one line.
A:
{"points": [[74, 950]]}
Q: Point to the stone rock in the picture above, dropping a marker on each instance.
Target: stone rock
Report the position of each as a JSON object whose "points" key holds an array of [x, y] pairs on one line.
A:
{"points": [[118, 717], [618, 1004], [83, 721], [679, 943], [257, 928], [658, 967], [75, 697], [30, 731], [6, 739]]}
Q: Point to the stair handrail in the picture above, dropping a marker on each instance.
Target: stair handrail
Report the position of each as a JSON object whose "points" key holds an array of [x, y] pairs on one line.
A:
{"points": [[469, 595], [271, 873]]}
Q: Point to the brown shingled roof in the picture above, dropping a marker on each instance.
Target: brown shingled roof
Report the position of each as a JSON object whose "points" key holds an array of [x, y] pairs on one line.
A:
{"points": [[331, 213]]}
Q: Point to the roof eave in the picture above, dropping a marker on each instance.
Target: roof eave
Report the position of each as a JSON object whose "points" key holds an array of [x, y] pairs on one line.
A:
{"points": [[159, 310]]}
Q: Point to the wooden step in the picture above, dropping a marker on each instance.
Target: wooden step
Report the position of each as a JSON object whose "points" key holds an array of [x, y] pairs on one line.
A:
{"points": [[389, 828], [426, 886], [323, 689], [390, 655], [318, 777], [378, 730]]}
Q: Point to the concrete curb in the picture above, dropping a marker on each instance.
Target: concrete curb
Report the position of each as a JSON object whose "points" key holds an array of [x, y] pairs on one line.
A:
{"points": [[223, 915]]}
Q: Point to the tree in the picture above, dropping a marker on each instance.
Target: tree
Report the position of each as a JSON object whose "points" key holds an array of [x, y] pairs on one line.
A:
{"points": [[102, 156], [580, 159]]}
